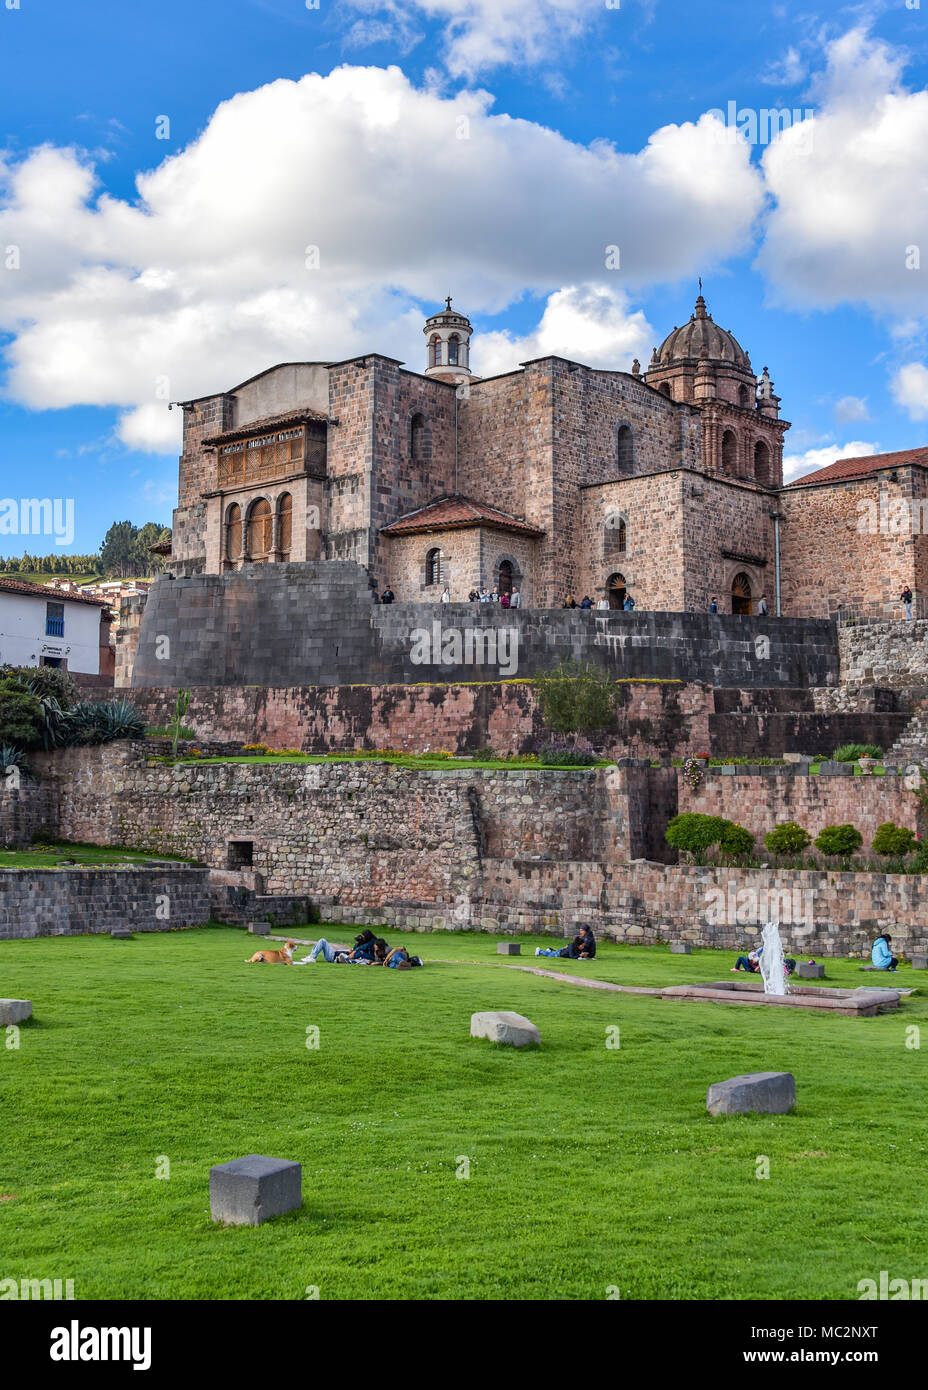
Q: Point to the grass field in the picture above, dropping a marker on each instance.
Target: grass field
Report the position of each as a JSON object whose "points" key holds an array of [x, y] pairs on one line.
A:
{"points": [[590, 1166], [49, 856]]}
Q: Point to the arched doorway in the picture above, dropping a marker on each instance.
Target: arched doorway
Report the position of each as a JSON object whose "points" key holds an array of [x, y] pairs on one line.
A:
{"points": [[741, 593], [233, 537], [615, 590], [504, 578], [260, 528]]}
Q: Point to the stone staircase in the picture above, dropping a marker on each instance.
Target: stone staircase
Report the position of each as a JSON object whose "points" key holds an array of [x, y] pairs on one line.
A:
{"points": [[912, 744]]}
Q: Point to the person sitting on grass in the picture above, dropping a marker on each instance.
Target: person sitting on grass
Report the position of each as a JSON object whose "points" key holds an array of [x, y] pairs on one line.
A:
{"points": [[750, 963], [362, 953], [583, 947], [881, 955], [400, 959]]}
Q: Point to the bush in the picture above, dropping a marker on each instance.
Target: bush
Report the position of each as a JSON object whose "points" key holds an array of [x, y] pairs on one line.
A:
{"points": [[11, 756], [575, 698], [567, 755], [695, 833], [787, 838], [20, 715], [42, 682], [841, 841], [850, 752], [893, 840], [736, 839]]}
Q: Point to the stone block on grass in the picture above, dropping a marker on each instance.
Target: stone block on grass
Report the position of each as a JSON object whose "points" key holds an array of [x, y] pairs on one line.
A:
{"points": [[250, 1190], [14, 1011], [259, 928], [919, 960], [504, 1027], [121, 933], [509, 948], [810, 970], [756, 1092], [681, 948]]}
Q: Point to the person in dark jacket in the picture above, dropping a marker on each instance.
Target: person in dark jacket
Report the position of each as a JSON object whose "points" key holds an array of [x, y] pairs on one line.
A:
{"points": [[387, 596], [583, 947]]}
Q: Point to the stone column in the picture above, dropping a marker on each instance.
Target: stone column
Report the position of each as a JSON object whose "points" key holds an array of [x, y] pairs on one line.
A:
{"points": [[243, 557]]}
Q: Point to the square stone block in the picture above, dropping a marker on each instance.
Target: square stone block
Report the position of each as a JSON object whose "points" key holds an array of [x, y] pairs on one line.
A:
{"points": [[919, 960], [681, 948], [250, 1190], [509, 948], [14, 1011], [121, 933], [810, 970], [259, 928]]}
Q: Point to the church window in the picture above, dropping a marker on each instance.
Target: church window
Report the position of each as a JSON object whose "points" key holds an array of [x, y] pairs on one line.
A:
{"points": [[665, 387], [435, 351], [625, 451], [435, 567], [505, 577], [453, 344], [615, 538], [260, 531], [233, 546], [417, 438], [744, 397], [762, 462], [284, 525], [729, 452]]}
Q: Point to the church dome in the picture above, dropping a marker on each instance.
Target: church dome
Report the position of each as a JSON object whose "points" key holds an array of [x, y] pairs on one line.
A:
{"points": [[699, 340]]}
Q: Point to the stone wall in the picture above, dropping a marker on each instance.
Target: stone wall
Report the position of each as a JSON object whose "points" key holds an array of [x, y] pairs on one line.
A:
{"points": [[888, 654], [301, 624], [24, 811], [502, 851], [73, 902], [770, 795]]}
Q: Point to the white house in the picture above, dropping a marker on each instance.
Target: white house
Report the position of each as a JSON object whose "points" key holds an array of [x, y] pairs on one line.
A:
{"points": [[41, 626]]}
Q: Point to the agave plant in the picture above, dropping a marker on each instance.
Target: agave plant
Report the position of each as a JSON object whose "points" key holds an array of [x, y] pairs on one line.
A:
{"points": [[11, 756]]}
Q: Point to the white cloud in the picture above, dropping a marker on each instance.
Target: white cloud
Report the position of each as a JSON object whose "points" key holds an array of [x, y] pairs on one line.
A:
{"points": [[851, 408], [587, 323], [798, 465], [484, 34], [910, 389], [849, 189], [786, 71], [202, 280]]}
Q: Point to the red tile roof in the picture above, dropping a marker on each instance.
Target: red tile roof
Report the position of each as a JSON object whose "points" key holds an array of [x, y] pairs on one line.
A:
{"points": [[842, 470], [456, 514], [265, 425], [47, 591]]}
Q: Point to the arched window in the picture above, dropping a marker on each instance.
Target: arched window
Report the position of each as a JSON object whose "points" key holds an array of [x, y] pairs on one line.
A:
{"points": [[453, 344], [744, 397], [625, 452], [741, 593], [762, 462], [435, 351], [260, 531], [504, 577], [616, 590], [435, 567], [233, 537], [729, 452], [665, 387], [284, 524], [417, 438], [615, 537]]}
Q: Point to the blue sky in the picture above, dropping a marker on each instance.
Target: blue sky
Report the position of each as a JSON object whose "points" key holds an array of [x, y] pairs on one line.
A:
{"points": [[492, 149]]}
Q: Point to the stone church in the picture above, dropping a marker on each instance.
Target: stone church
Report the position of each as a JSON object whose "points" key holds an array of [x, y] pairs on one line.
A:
{"points": [[555, 478]]}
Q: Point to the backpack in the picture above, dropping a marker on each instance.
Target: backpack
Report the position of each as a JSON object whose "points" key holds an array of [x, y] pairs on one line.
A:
{"points": [[415, 960]]}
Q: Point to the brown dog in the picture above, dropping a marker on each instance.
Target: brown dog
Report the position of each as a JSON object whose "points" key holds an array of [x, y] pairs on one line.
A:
{"points": [[284, 957]]}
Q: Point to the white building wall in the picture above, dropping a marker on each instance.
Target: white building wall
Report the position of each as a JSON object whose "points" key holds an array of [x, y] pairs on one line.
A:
{"points": [[23, 639]]}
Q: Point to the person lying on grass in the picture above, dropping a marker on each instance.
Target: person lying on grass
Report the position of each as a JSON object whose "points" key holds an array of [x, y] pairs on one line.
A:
{"points": [[362, 953], [583, 947], [881, 955], [400, 959], [750, 963]]}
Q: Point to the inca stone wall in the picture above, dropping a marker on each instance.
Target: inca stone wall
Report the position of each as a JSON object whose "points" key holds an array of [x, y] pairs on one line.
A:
{"points": [[73, 902], [888, 654], [315, 624], [501, 851], [25, 811]]}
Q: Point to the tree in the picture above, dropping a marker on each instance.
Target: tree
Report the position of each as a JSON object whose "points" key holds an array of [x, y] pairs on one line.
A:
{"points": [[575, 698], [787, 838], [117, 553], [893, 840], [20, 715], [838, 840]]}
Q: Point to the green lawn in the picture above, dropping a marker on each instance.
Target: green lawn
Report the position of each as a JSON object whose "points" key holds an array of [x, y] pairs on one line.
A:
{"points": [[416, 762], [589, 1166], [49, 856]]}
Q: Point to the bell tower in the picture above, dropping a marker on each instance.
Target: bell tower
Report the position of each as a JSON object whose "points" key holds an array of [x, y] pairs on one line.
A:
{"points": [[448, 335]]}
